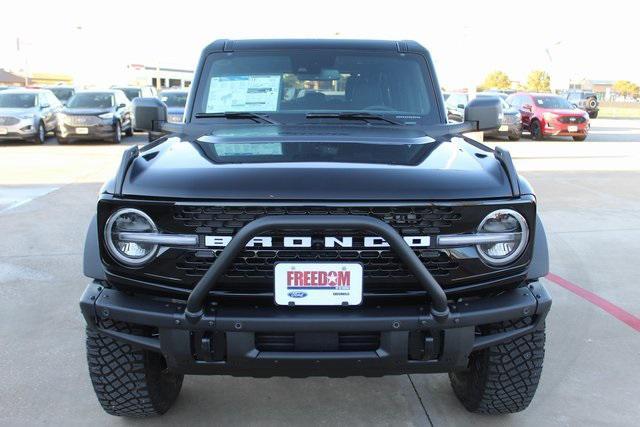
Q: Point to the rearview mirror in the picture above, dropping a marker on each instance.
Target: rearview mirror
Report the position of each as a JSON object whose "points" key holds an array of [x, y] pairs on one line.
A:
{"points": [[486, 112], [148, 113]]}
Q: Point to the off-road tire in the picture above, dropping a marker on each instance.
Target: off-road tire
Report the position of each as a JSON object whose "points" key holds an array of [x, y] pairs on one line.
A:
{"points": [[129, 131], [593, 115], [502, 379], [129, 381]]}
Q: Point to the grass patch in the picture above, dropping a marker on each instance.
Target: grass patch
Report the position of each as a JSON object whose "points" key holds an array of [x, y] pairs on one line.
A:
{"points": [[619, 112]]}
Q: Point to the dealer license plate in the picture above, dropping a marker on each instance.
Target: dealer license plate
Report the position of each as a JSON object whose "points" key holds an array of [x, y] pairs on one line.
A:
{"points": [[572, 128], [503, 128], [318, 283], [3, 131], [82, 131]]}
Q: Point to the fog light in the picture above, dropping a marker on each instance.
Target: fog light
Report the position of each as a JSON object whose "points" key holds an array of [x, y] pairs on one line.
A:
{"points": [[503, 221]]}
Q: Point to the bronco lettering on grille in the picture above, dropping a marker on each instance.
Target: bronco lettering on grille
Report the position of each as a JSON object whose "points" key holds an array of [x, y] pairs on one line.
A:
{"points": [[307, 242]]}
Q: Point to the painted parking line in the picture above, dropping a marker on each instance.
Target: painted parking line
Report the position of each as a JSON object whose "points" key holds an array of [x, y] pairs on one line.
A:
{"points": [[617, 312]]}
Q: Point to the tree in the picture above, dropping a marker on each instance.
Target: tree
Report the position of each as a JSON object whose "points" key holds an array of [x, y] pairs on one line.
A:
{"points": [[626, 88], [538, 81], [496, 80]]}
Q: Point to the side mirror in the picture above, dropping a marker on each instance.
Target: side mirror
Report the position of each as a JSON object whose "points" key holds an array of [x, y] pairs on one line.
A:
{"points": [[461, 106], [43, 106], [148, 113], [526, 107], [122, 105], [486, 112]]}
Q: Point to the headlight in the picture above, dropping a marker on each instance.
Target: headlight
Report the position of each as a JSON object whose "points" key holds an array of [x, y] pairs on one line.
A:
{"points": [[510, 224], [62, 116], [549, 116], [129, 252], [106, 116]]}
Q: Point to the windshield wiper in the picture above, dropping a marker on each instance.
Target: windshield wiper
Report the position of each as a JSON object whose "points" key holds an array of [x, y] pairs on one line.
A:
{"points": [[256, 117], [351, 116]]}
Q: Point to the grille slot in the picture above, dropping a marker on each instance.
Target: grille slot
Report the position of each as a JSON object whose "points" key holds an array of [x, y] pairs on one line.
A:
{"points": [[572, 119], [322, 341], [259, 264], [82, 120], [224, 220]]}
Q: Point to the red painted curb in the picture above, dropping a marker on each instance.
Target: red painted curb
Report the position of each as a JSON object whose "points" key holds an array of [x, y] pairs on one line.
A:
{"points": [[612, 309]]}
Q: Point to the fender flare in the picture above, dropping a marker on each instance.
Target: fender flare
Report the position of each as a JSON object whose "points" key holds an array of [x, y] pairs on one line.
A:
{"points": [[92, 264], [539, 266]]}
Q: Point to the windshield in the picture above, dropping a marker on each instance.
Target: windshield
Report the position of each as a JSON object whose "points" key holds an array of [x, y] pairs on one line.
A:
{"points": [[62, 94], [17, 100], [91, 100], [174, 99], [552, 102], [130, 92], [299, 82]]}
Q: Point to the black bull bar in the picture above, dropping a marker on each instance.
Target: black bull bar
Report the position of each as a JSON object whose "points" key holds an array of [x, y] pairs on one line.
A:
{"points": [[438, 299]]}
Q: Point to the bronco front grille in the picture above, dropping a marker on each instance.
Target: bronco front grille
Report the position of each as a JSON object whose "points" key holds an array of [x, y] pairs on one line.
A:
{"points": [[252, 271]]}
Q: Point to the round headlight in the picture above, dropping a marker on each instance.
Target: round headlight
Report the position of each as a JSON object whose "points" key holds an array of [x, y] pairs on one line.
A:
{"points": [[509, 223], [126, 251]]}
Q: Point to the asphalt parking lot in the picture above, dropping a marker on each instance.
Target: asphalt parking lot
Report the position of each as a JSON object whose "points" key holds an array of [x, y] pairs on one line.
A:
{"points": [[589, 197]]}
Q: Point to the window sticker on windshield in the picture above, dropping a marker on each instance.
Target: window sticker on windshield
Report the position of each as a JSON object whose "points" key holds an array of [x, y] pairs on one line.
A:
{"points": [[540, 101], [243, 93], [235, 149]]}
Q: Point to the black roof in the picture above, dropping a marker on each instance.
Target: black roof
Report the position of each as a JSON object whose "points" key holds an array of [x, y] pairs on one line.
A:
{"points": [[276, 44]]}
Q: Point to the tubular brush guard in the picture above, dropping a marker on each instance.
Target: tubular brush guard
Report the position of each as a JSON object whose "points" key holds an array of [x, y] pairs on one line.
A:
{"points": [[439, 308]]}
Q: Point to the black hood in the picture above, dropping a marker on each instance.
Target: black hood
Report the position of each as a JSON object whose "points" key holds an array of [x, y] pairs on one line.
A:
{"points": [[316, 162]]}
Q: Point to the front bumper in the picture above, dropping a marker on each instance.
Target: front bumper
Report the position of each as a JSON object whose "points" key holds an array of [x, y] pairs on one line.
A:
{"points": [[224, 339], [556, 128], [507, 129], [23, 130], [100, 131]]}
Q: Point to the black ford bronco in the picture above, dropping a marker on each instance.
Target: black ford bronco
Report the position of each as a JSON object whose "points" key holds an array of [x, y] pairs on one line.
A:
{"points": [[315, 215]]}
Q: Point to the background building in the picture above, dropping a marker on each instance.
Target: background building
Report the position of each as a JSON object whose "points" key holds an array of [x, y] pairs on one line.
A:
{"points": [[160, 77]]}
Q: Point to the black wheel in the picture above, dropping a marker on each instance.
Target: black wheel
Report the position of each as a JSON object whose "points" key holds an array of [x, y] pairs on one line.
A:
{"points": [[502, 379], [593, 115], [129, 131], [514, 137], [580, 138], [128, 381], [117, 133], [536, 131], [41, 134]]}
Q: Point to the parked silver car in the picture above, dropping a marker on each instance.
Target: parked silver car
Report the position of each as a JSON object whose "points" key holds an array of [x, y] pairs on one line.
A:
{"points": [[28, 114]]}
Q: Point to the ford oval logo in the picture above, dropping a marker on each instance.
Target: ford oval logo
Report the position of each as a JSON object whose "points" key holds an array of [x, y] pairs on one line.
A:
{"points": [[297, 294]]}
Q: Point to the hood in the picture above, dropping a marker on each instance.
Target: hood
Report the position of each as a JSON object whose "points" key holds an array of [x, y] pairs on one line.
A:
{"points": [[317, 162], [17, 111], [86, 111], [563, 111]]}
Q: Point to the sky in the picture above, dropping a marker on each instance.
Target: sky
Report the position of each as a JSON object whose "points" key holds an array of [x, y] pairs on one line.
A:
{"points": [[467, 39]]}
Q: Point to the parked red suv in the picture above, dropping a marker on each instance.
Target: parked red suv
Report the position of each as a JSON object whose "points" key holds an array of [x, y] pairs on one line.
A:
{"points": [[544, 114]]}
